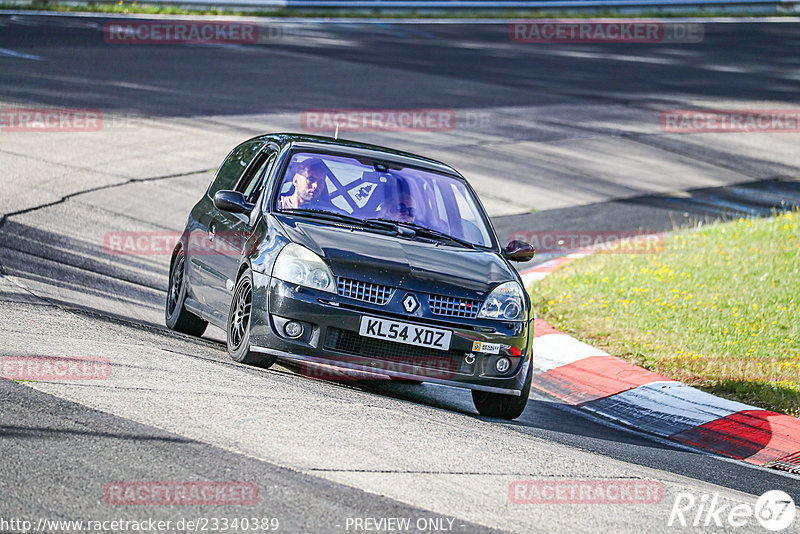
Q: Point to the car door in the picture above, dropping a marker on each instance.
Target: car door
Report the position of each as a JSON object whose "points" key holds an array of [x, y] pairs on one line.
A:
{"points": [[229, 232], [205, 280]]}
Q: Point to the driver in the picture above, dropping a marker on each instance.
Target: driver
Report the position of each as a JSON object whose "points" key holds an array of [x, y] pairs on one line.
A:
{"points": [[309, 185]]}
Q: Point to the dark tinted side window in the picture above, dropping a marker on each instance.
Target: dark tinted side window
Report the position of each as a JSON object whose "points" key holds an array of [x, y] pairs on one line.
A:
{"points": [[233, 166], [252, 182]]}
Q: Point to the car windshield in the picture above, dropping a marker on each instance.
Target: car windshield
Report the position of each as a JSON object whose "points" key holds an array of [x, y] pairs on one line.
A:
{"points": [[410, 196]]}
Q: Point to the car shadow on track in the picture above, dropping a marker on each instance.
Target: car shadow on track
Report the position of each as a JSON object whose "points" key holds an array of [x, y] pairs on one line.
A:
{"points": [[543, 415], [549, 420]]}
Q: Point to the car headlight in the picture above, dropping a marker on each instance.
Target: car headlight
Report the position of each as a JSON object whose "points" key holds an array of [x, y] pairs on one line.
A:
{"points": [[506, 302], [298, 265]]}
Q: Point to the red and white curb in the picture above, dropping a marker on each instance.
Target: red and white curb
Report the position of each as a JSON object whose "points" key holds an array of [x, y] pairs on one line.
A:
{"points": [[534, 274], [591, 379]]}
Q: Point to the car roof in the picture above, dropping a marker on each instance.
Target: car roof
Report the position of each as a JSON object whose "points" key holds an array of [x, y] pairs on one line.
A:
{"points": [[316, 142]]}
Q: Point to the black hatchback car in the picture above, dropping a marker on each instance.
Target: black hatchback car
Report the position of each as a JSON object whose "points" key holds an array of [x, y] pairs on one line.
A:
{"points": [[356, 259]]}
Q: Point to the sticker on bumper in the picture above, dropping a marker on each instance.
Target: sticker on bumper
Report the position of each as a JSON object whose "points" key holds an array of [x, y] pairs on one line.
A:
{"points": [[488, 348]]}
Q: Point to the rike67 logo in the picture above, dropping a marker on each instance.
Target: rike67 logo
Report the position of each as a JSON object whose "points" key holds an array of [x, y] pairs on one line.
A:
{"points": [[774, 510]]}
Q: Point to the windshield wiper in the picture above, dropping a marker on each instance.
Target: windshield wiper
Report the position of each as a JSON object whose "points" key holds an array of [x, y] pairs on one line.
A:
{"points": [[430, 232], [342, 217], [405, 229]]}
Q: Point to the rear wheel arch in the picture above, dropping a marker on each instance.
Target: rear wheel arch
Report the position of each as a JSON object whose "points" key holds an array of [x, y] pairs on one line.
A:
{"points": [[176, 316]]}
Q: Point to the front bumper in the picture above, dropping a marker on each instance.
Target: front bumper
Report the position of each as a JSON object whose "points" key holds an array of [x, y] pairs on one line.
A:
{"points": [[331, 347]]}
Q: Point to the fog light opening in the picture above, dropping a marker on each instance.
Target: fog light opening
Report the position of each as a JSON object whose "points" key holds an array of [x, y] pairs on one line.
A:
{"points": [[293, 329], [502, 365]]}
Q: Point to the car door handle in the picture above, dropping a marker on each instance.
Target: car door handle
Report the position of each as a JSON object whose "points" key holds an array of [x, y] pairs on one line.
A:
{"points": [[211, 231]]}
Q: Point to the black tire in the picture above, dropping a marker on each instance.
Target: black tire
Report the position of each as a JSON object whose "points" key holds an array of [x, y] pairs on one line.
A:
{"points": [[503, 406], [176, 316], [238, 327]]}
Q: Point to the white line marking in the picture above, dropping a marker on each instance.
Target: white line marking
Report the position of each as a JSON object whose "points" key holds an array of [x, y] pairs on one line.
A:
{"points": [[665, 408], [555, 350], [658, 439], [20, 55]]}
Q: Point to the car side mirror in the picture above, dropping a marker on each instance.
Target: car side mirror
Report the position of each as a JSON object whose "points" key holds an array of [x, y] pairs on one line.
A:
{"points": [[518, 251], [232, 201]]}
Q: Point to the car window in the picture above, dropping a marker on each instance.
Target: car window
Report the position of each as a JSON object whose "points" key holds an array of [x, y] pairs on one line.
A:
{"points": [[234, 165], [358, 188], [471, 229], [252, 182]]}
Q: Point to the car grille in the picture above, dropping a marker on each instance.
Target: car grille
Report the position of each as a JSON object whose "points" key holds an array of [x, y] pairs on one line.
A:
{"points": [[453, 307], [365, 291], [350, 342]]}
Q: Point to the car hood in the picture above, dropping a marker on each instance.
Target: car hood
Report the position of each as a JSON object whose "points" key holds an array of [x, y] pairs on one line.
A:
{"points": [[400, 262]]}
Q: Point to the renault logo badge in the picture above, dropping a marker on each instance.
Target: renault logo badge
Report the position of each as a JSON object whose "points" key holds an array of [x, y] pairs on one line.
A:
{"points": [[410, 303]]}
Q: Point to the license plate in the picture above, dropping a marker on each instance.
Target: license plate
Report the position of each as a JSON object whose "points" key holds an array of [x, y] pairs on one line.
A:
{"points": [[410, 334]]}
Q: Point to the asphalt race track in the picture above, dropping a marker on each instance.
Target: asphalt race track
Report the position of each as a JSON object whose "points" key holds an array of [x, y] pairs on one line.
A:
{"points": [[570, 130]]}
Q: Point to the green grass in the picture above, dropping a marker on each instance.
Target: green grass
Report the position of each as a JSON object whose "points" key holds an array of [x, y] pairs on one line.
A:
{"points": [[126, 7], [716, 307]]}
